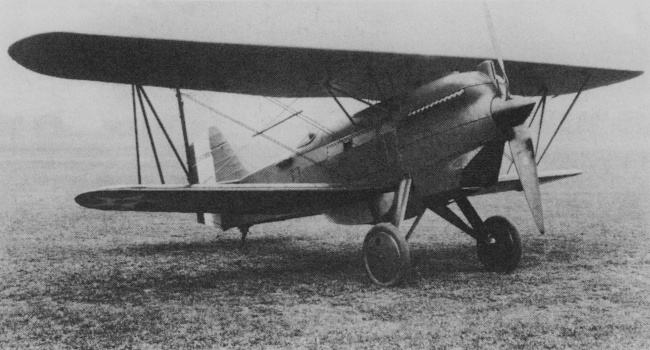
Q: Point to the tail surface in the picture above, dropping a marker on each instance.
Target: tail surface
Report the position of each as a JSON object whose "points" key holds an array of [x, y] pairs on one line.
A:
{"points": [[215, 161]]}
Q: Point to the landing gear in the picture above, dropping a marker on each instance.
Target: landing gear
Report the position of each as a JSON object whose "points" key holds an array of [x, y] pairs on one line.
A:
{"points": [[386, 255], [498, 243], [501, 251]]}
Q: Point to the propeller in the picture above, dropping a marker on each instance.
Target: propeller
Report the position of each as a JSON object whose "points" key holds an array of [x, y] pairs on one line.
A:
{"points": [[509, 113], [510, 116], [521, 147], [497, 51]]}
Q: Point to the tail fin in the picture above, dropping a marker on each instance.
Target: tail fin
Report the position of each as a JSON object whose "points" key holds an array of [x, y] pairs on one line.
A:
{"points": [[215, 161], [227, 166]]}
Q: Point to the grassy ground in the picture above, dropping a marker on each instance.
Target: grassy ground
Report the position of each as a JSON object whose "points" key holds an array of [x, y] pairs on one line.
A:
{"points": [[77, 278]]}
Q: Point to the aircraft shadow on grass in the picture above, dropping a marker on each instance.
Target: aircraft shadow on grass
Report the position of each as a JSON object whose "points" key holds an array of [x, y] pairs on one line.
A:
{"points": [[269, 262], [264, 266]]}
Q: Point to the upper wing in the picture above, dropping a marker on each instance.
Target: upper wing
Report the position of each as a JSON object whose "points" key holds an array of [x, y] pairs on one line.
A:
{"points": [[273, 70], [282, 198], [511, 182]]}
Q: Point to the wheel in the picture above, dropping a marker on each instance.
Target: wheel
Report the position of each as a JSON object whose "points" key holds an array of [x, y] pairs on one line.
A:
{"points": [[503, 250], [386, 255]]}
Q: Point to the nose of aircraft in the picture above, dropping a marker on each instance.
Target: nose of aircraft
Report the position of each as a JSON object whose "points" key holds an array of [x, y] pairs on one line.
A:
{"points": [[509, 115]]}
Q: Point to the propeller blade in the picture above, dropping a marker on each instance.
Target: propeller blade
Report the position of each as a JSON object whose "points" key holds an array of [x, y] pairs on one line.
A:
{"points": [[523, 155], [497, 50]]}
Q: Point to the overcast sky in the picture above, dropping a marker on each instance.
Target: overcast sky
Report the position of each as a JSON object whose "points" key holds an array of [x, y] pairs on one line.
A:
{"points": [[611, 34]]}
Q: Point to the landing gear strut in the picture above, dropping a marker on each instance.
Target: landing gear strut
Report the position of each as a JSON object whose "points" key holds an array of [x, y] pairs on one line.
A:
{"points": [[498, 243]]}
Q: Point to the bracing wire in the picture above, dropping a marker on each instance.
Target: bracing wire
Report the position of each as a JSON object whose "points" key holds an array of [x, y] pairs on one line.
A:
{"points": [[302, 116], [254, 131], [277, 117], [573, 102]]}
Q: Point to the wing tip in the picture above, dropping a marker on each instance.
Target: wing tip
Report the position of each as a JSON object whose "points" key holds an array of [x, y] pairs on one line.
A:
{"points": [[608, 77], [84, 199], [36, 52], [624, 75], [26, 51], [566, 173], [635, 73]]}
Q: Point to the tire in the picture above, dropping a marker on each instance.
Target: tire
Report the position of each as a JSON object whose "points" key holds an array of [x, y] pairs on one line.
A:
{"points": [[386, 255], [503, 253]]}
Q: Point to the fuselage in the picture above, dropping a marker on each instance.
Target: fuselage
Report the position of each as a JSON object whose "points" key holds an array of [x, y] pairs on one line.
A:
{"points": [[431, 134]]}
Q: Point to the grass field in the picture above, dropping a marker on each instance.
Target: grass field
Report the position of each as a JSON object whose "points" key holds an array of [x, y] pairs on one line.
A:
{"points": [[77, 278]]}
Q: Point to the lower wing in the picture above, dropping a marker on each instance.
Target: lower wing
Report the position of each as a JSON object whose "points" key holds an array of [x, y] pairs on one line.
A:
{"points": [[260, 198], [511, 182], [281, 198]]}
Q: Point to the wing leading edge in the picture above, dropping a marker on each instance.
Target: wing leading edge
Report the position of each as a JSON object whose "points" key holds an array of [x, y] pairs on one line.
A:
{"points": [[274, 70], [271, 199]]}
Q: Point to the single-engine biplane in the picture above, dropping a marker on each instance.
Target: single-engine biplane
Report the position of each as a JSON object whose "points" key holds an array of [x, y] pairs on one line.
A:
{"points": [[438, 138]]}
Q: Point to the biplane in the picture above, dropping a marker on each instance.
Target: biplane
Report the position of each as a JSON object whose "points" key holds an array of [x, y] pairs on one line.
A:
{"points": [[433, 134]]}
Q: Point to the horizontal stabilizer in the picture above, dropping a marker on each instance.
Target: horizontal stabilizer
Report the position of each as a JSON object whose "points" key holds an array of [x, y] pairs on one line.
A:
{"points": [[512, 183], [228, 198]]}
